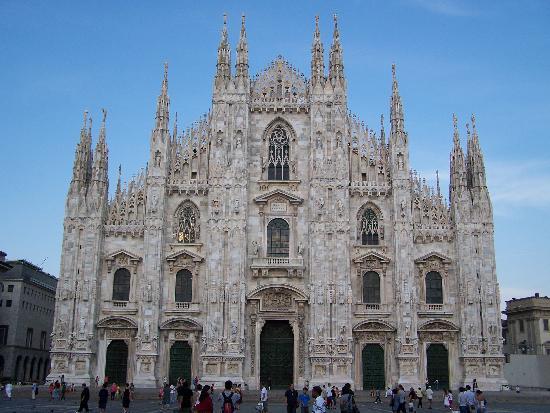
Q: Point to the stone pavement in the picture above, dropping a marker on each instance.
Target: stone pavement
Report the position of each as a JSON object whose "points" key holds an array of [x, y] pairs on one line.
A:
{"points": [[499, 402]]}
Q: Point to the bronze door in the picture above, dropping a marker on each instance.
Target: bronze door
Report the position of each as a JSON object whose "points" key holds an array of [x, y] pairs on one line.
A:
{"points": [[277, 354]]}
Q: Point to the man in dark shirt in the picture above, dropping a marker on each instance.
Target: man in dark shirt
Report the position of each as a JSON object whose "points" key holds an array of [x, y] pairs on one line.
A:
{"points": [[84, 398], [291, 399], [103, 397], [186, 395]]}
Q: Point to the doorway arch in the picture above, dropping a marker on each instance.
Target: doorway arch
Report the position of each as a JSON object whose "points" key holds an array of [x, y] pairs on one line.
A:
{"points": [[181, 355], [373, 367], [277, 353], [116, 365], [437, 364]]}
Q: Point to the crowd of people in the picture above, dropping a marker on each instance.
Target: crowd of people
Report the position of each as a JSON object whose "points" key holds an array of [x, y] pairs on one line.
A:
{"points": [[197, 398]]}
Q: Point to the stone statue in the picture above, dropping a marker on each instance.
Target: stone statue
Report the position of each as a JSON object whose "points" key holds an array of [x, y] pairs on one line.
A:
{"points": [[255, 248], [300, 249], [82, 325], [234, 328], [148, 292], [146, 328]]}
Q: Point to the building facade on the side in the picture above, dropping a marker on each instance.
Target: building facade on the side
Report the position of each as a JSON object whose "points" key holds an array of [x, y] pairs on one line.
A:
{"points": [[527, 327], [278, 238], [27, 304]]}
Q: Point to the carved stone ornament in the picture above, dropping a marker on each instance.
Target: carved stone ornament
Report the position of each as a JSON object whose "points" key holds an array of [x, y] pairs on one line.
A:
{"points": [[277, 300], [122, 258]]}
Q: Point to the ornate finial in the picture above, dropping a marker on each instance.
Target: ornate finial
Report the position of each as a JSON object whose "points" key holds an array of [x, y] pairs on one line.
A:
{"points": [[437, 183], [104, 111], [473, 118], [242, 19], [165, 70], [119, 170], [455, 123], [225, 19], [382, 121], [335, 18], [393, 71], [468, 130], [90, 125], [85, 119]]}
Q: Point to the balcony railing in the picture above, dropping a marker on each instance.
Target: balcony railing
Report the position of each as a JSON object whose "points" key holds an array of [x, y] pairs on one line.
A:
{"points": [[280, 262], [435, 309], [120, 304], [182, 305], [366, 309]]}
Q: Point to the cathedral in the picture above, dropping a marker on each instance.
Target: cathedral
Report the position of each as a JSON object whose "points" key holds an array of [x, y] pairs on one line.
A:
{"points": [[278, 240]]}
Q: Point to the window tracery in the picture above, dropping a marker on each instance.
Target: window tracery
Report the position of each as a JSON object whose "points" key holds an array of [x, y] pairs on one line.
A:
{"points": [[279, 155], [368, 227], [188, 222]]}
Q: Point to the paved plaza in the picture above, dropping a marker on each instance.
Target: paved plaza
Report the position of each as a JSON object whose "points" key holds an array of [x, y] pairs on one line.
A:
{"points": [[528, 402]]}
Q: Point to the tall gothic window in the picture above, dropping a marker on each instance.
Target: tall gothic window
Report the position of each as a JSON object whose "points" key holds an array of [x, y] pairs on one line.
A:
{"points": [[279, 159], [184, 286], [121, 285], [434, 288], [277, 238], [369, 228], [188, 223], [371, 287]]}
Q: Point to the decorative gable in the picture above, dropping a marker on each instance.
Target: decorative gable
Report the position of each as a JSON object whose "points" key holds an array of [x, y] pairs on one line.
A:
{"points": [[433, 256], [278, 193], [184, 258], [434, 261], [122, 258]]}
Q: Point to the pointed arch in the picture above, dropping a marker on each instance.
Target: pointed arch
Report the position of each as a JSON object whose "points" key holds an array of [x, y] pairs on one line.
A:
{"points": [[187, 217], [278, 135], [369, 224]]}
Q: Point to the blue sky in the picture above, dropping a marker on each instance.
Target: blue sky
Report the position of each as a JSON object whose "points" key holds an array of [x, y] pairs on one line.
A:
{"points": [[488, 58]]}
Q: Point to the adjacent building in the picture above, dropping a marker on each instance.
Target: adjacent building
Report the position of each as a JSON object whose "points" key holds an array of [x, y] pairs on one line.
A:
{"points": [[527, 328], [279, 237], [27, 304]]}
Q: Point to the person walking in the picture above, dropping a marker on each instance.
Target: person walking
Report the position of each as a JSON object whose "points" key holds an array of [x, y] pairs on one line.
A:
{"points": [[113, 391], [394, 402], [264, 398], [186, 396], [165, 395], [126, 398], [346, 399], [319, 402], [84, 398], [470, 397], [446, 399], [304, 401], [63, 390], [481, 404], [8, 389], [228, 398], [462, 400], [205, 404], [430, 396], [291, 396], [103, 396], [412, 399], [402, 399], [377, 394], [34, 390], [420, 395]]}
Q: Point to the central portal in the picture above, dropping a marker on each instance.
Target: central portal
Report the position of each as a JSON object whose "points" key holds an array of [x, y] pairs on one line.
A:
{"points": [[277, 354]]}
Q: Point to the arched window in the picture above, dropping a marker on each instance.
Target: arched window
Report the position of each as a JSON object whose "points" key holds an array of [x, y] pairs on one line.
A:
{"points": [[121, 285], [278, 157], [434, 288], [371, 287], [188, 219], [184, 286], [277, 238], [368, 227]]}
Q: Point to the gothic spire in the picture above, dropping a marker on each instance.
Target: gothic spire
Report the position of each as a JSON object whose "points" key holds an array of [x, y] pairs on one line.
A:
{"points": [[317, 59], [223, 65], [457, 164], [242, 52], [336, 67], [83, 155], [100, 164], [118, 185], [175, 130], [475, 163], [382, 131], [163, 103], [398, 136]]}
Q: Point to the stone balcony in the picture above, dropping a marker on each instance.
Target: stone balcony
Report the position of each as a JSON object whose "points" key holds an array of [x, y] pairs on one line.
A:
{"points": [[119, 307], [178, 307], [277, 267], [435, 310], [364, 188], [372, 310]]}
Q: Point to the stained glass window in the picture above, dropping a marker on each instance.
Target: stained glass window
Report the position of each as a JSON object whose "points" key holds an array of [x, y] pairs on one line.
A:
{"points": [[369, 228], [188, 223], [278, 157]]}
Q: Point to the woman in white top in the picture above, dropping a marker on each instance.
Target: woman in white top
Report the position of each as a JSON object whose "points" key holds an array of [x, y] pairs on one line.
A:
{"points": [[319, 403]]}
